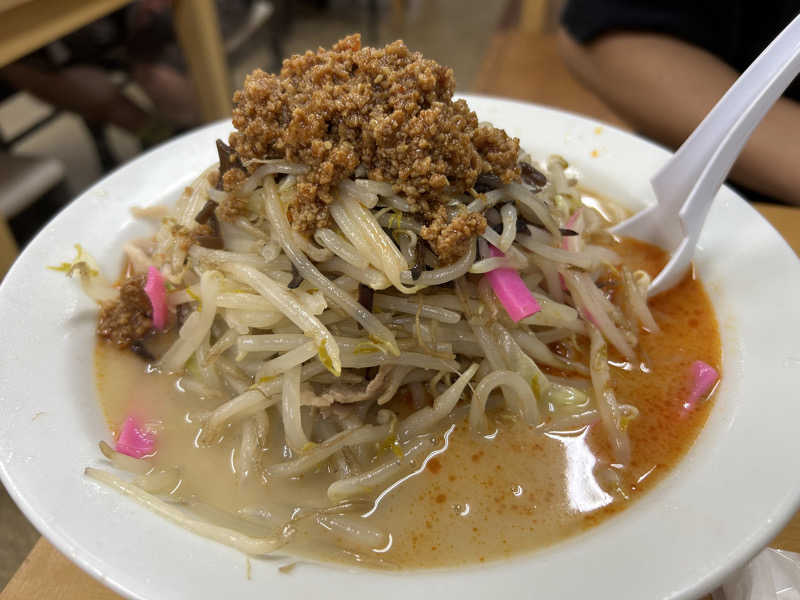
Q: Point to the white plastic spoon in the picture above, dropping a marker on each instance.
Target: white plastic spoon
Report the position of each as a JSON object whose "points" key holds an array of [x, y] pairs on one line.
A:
{"points": [[686, 185]]}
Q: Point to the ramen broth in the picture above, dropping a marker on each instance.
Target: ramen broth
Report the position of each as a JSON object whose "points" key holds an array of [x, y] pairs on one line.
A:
{"points": [[474, 498]]}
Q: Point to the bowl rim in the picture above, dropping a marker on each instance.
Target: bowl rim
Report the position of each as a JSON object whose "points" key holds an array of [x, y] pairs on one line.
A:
{"points": [[752, 539]]}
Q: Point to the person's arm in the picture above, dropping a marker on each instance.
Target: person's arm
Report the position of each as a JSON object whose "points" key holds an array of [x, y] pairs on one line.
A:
{"points": [[664, 87], [85, 90]]}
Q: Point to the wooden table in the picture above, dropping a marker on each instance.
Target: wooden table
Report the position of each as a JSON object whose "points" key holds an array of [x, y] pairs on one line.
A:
{"points": [[26, 25], [8, 248], [518, 65]]}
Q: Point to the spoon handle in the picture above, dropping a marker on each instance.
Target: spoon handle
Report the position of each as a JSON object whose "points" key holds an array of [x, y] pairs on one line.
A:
{"points": [[689, 181], [741, 109]]}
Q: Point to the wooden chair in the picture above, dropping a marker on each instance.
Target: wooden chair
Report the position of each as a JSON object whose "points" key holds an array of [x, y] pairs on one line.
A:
{"points": [[540, 16]]}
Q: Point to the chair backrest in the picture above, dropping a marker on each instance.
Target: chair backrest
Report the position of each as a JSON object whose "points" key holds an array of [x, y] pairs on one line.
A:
{"points": [[540, 16], [25, 179]]}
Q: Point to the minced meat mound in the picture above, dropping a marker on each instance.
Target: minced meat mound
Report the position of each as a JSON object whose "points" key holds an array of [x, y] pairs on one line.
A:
{"points": [[388, 109], [128, 319], [450, 239], [233, 207]]}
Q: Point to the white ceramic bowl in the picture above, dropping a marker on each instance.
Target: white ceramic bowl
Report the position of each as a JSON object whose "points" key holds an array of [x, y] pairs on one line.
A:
{"points": [[731, 494]]}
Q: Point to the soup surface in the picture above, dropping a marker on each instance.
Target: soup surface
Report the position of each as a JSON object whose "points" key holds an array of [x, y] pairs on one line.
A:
{"points": [[473, 498]]}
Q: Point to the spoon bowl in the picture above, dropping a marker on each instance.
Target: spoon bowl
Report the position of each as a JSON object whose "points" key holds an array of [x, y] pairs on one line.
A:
{"points": [[688, 182]]}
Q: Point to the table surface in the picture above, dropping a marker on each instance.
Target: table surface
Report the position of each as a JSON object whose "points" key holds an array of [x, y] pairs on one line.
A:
{"points": [[518, 65]]}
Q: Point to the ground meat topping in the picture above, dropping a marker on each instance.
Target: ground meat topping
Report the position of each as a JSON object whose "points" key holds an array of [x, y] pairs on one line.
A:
{"points": [[233, 207], [232, 178], [387, 109], [128, 319], [213, 179], [450, 239]]}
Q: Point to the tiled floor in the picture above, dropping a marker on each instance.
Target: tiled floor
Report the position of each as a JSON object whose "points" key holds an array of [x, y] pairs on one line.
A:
{"points": [[453, 32]]}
